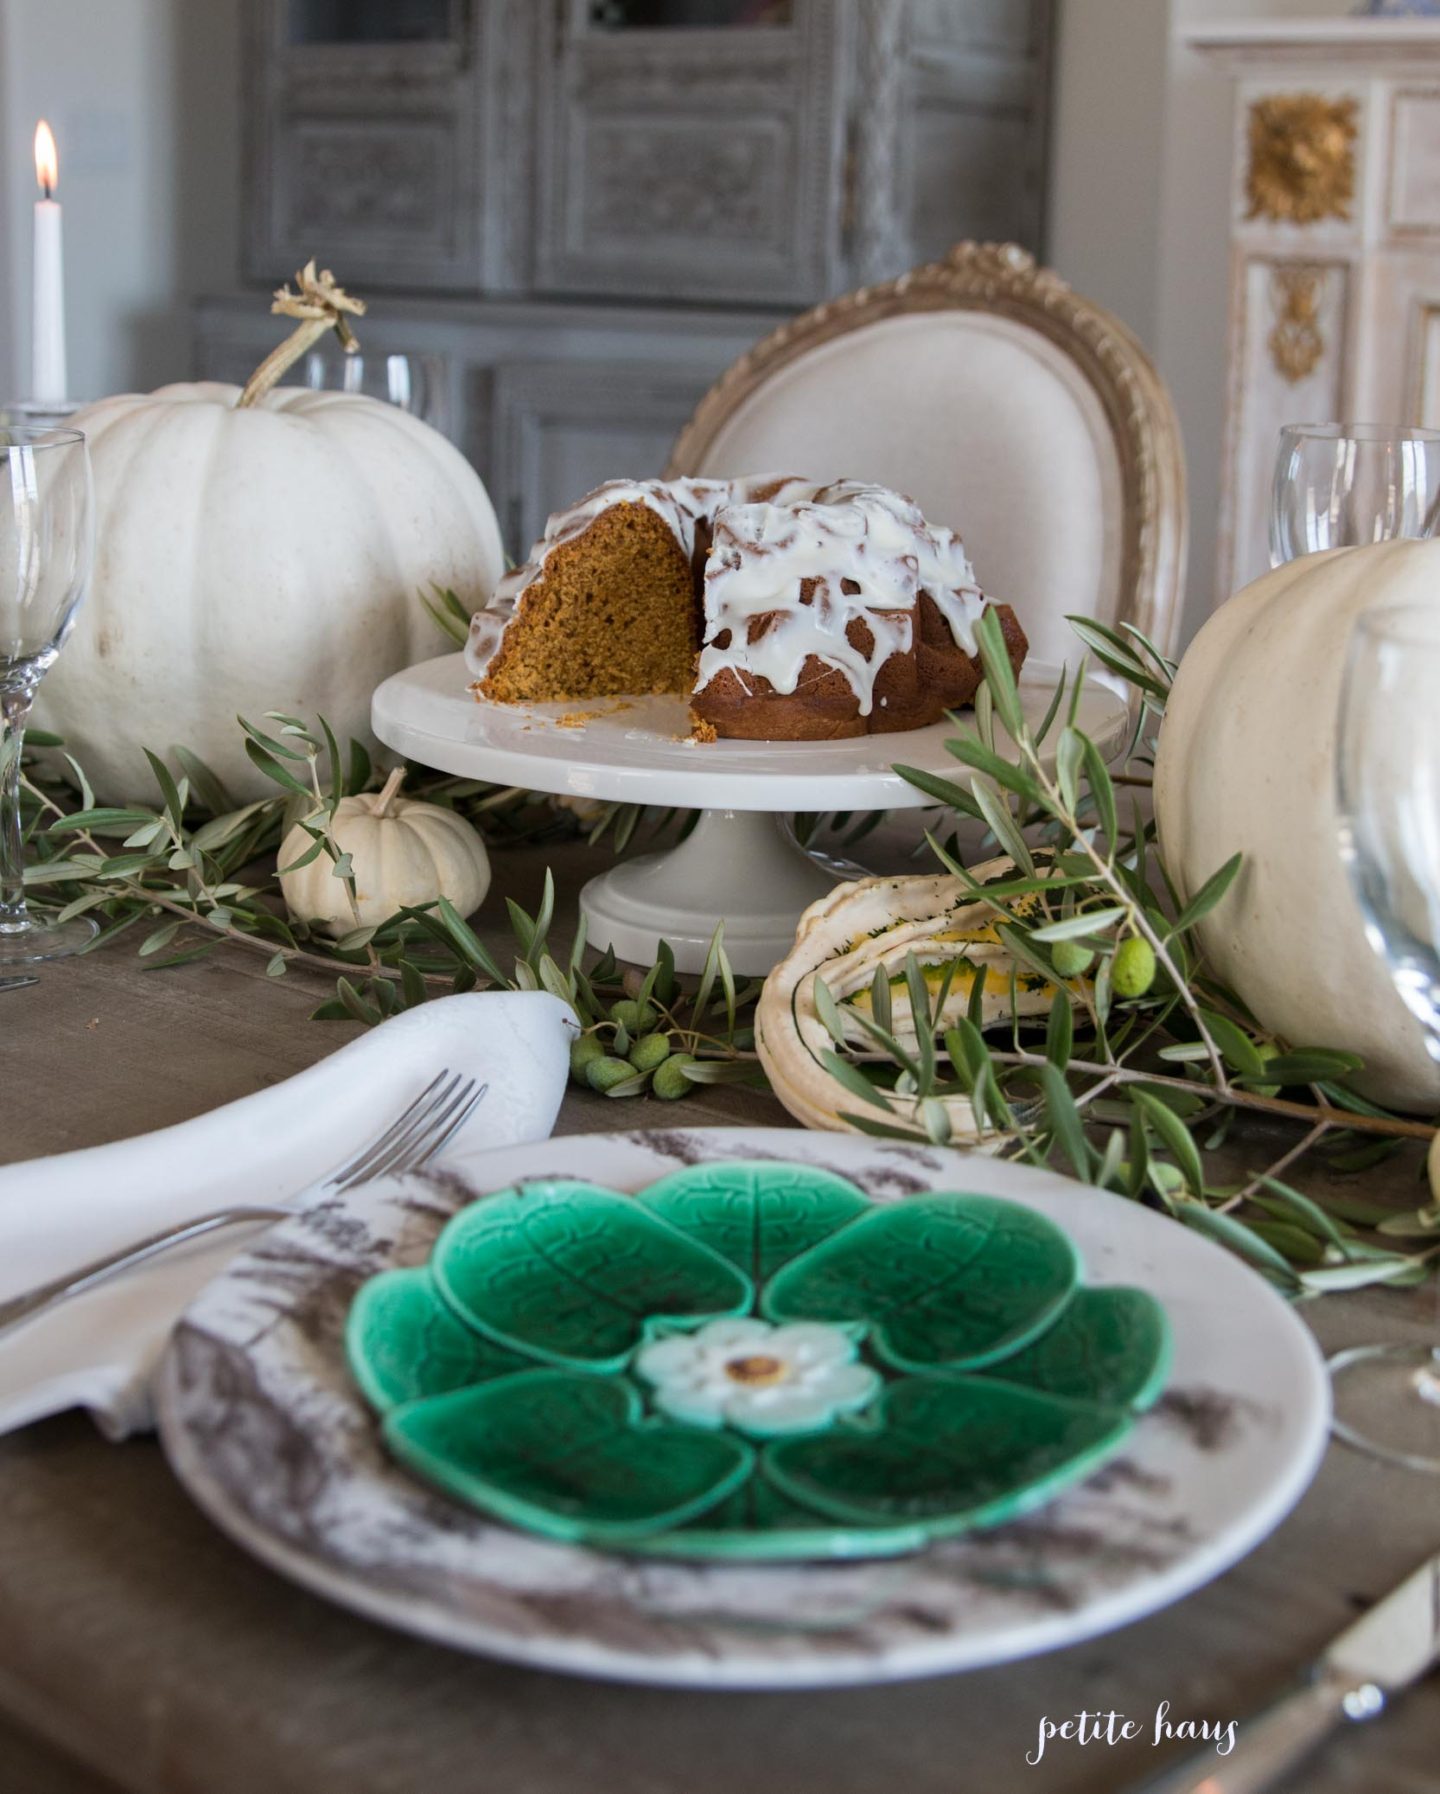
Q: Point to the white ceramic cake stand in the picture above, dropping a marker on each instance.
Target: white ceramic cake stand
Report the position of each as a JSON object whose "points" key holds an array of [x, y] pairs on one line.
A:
{"points": [[741, 862]]}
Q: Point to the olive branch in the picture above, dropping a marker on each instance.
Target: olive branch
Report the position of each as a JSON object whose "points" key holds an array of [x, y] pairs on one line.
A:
{"points": [[1143, 1061], [195, 873], [1132, 1080]]}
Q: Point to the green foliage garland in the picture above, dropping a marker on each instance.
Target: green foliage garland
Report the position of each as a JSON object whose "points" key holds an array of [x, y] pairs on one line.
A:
{"points": [[1133, 1087]]}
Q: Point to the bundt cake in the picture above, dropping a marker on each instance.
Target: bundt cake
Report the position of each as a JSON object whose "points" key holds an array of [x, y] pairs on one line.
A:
{"points": [[787, 611]]}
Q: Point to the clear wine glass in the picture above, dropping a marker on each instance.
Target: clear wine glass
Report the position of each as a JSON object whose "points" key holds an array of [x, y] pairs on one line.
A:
{"points": [[1340, 485], [46, 547], [416, 383], [1388, 786]]}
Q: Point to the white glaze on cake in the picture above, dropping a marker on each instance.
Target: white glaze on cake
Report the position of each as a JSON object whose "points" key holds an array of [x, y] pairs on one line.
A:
{"points": [[770, 534], [765, 556], [685, 505]]}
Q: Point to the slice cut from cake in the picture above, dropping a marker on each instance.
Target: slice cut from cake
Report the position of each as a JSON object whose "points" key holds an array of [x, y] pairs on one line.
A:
{"points": [[785, 610], [614, 612]]}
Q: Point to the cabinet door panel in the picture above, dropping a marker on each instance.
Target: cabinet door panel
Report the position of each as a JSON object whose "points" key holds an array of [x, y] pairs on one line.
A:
{"points": [[948, 108], [379, 188], [972, 178], [1004, 26], [695, 163], [365, 150], [1413, 190], [1398, 372], [562, 428]]}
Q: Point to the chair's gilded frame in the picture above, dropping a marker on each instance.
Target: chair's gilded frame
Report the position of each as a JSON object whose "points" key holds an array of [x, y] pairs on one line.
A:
{"points": [[1003, 279]]}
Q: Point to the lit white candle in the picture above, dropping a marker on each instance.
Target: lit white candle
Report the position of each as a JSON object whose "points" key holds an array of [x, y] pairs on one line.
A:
{"points": [[48, 377]]}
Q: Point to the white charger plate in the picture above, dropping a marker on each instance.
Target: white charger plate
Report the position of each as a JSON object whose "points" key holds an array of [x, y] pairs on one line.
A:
{"points": [[263, 1425]]}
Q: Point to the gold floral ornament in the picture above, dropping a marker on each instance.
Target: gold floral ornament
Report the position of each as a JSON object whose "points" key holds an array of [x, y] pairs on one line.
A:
{"points": [[1296, 343], [320, 305], [1302, 158]]}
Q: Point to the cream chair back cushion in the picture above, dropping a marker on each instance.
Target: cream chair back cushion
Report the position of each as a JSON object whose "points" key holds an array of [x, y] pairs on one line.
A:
{"points": [[987, 424]]}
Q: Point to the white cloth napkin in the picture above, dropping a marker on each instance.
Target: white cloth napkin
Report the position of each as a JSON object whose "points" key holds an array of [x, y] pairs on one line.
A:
{"points": [[98, 1350]]}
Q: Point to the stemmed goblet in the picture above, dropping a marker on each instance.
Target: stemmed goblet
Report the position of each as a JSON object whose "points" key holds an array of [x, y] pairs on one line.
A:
{"points": [[1341, 485], [414, 383], [1388, 787], [46, 547]]}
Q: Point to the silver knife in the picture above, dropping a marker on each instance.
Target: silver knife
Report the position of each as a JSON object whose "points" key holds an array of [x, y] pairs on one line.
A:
{"points": [[1378, 1657]]}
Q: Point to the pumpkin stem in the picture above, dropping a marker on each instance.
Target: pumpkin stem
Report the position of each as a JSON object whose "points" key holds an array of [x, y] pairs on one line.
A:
{"points": [[388, 790], [320, 305]]}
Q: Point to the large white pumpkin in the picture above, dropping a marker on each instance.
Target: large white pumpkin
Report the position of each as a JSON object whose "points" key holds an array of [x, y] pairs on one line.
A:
{"points": [[266, 558], [1247, 765]]}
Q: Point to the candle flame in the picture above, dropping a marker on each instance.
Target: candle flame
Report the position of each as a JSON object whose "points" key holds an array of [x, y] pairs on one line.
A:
{"points": [[47, 162]]}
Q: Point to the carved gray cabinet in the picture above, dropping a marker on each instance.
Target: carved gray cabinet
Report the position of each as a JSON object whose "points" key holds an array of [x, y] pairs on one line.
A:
{"points": [[755, 155]]}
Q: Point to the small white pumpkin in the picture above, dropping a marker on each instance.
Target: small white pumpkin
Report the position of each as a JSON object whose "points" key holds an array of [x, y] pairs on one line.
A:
{"points": [[402, 852], [843, 940], [258, 550], [1247, 765]]}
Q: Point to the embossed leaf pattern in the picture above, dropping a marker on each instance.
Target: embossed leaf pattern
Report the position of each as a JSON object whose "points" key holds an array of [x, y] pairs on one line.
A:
{"points": [[955, 1454], [759, 1216], [941, 1280], [569, 1273], [759, 1522], [568, 1454], [506, 1373], [1109, 1346], [405, 1343]]}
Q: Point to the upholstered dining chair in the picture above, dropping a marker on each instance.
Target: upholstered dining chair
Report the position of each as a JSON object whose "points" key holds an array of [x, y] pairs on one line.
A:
{"points": [[1007, 406]]}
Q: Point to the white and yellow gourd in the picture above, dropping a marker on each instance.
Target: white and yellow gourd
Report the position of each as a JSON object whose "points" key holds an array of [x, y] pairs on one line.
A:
{"points": [[873, 924]]}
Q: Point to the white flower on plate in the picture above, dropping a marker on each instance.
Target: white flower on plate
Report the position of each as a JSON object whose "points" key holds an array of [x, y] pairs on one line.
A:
{"points": [[757, 1377]]}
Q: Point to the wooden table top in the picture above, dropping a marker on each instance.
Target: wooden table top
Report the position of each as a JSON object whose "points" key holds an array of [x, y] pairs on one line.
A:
{"points": [[141, 1651]]}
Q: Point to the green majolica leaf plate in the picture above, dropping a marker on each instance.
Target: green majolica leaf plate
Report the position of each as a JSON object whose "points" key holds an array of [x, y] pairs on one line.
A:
{"points": [[752, 1361]]}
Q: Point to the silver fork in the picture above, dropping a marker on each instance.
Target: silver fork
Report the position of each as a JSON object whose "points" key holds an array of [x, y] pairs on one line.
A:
{"points": [[412, 1139]]}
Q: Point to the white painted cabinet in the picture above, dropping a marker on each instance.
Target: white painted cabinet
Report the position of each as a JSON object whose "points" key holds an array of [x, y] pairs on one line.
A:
{"points": [[1335, 245]]}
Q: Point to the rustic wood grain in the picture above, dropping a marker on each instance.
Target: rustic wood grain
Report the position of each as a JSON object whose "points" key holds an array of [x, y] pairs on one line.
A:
{"points": [[137, 1642]]}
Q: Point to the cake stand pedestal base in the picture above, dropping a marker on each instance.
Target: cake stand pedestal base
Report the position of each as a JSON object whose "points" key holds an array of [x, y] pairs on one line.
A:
{"points": [[743, 868]]}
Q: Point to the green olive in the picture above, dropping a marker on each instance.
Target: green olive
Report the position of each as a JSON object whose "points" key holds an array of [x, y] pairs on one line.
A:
{"points": [[635, 1018], [1133, 970], [670, 1081], [650, 1051], [605, 1073], [1070, 959]]}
